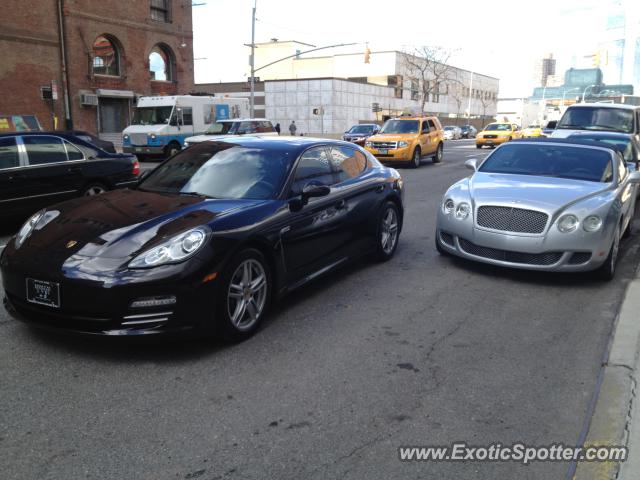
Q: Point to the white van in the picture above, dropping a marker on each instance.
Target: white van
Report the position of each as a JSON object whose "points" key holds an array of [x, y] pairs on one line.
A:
{"points": [[161, 124]]}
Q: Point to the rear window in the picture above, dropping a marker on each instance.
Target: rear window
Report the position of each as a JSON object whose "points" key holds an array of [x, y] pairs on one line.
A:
{"points": [[558, 161], [597, 118]]}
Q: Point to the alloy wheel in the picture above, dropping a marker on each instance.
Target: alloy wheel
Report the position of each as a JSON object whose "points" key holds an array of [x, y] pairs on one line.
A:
{"points": [[247, 294], [94, 190], [389, 231]]}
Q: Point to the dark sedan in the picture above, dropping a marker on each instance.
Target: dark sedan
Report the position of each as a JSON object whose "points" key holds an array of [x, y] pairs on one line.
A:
{"points": [[206, 241], [358, 134], [468, 131], [38, 169]]}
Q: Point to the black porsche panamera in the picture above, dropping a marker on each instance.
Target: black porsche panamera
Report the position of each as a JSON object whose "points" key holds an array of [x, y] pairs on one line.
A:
{"points": [[206, 241]]}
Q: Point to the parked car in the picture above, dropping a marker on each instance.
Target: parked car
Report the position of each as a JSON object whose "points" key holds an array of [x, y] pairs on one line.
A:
{"points": [[532, 131], [40, 168], [497, 133], [468, 131], [628, 145], [207, 240], [260, 127], [549, 128], [407, 139], [544, 204], [93, 140], [610, 117], [451, 132], [358, 134]]}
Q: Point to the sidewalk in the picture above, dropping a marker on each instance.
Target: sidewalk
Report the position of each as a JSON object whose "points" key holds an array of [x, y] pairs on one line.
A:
{"points": [[616, 417]]}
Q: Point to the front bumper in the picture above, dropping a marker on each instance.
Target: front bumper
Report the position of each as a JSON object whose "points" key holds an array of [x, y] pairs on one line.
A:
{"points": [[101, 303], [490, 142], [554, 252], [144, 150], [403, 154]]}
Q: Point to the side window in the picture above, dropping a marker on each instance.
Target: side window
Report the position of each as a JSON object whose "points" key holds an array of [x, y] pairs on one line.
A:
{"points": [[73, 153], [432, 126], [8, 153], [187, 115], [313, 167], [266, 127], [425, 126], [349, 162], [244, 128], [622, 169], [42, 150]]}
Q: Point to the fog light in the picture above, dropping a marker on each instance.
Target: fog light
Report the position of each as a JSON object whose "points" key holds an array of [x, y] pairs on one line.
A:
{"points": [[153, 302]]}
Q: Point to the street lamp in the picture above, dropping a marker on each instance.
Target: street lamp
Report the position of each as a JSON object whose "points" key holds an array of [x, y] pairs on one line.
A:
{"points": [[585, 91], [564, 92]]}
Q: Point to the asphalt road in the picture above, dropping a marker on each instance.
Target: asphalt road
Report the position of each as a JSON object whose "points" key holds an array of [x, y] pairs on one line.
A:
{"points": [[422, 350]]}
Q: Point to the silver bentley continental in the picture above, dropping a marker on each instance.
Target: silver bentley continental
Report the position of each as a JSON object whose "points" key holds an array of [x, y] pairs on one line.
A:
{"points": [[555, 205]]}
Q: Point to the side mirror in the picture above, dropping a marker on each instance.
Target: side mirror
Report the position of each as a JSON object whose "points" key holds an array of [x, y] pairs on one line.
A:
{"points": [[471, 164], [632, 166], [314, 190], [634, 177]]}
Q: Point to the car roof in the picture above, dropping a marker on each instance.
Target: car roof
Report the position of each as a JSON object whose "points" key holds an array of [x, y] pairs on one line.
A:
{"points": [[605, 105], [565, 142], [39, 133], [243, 120], [294, 145], [601, 134]]}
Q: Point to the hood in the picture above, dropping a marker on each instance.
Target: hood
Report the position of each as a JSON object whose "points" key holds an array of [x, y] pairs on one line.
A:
{"points": [[544, 193], [157, 129], [392, 137], [119, 223]]}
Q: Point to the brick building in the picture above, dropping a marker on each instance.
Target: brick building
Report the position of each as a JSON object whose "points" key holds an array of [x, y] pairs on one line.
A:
{"points": [[96, 56]]}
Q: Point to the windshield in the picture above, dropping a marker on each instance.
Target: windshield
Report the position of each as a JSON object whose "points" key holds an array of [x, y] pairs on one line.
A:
{"points": [[498, 126], [551, 161], [152, 115], [449, 128], [365, 129], [219, 128], [222, 170], [400, 126], [597, 118], [623, 145]]}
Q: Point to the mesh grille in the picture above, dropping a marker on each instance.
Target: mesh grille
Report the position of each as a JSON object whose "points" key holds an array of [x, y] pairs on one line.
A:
{"points": [[138, 138], [512, 219], [548, 258], [447, 238], [579, 258], [384, 145]]}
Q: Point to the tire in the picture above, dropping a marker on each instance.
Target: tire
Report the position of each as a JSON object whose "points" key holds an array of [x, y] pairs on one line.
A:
{"points": [[244, 295], [387, 231], [171, 149], [437, 157], [93, 190], [607, 271], [478, 146], [416, 158]]}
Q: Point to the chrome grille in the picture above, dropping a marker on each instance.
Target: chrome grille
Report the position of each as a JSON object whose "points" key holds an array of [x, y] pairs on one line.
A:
{"points": [[138, 138], [545, 259], [384, 145], [511, 219], [490, 136]]}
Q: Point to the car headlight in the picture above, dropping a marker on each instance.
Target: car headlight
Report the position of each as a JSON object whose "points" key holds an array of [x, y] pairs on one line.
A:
{"points": [[568, 223], [186, 144], [176, 249], [592, 223], [28, 227], [463, 210], [152, 136], [125, 137], [368, 144], [402, 144], [448, 206]]}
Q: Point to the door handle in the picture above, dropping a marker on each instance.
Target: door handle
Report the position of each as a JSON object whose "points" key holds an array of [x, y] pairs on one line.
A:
{"points": [[341, 204], [18, 176], [75, 170], [380, 189]]}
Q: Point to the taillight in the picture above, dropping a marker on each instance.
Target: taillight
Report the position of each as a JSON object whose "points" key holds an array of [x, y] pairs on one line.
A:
{"points": [[136, 168]]}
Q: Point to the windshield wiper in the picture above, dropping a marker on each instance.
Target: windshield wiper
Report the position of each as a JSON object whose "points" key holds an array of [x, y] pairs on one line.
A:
{"points": [[570, 125], [195, 194]]}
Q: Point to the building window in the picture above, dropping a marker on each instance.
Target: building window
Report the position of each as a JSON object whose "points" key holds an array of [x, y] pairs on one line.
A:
{"points": [[415, 94], [161, 64], [106, 60], [396, 82], [161, 10]]}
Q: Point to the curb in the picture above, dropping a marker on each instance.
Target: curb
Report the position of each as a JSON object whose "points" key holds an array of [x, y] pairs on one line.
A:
{"points": [[616, 417]]}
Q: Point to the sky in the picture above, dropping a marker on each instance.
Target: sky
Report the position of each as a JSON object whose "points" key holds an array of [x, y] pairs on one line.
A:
{"points": [[500, 39]]}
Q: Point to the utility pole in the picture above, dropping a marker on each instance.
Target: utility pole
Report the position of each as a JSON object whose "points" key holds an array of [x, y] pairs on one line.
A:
{"points": [[252, 62], [470, 90]]}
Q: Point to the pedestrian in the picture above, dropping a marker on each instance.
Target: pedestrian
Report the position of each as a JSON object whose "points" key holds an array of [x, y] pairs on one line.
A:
{"points": [[277, 127], [293, 128]]}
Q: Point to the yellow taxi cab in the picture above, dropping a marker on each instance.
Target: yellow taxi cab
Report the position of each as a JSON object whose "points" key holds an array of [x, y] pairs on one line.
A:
{"points": [[534, 130], [408, 139], [497, 133]]}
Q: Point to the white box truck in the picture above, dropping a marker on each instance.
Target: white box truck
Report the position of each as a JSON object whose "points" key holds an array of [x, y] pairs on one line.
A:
{"points": [[161, 124]]}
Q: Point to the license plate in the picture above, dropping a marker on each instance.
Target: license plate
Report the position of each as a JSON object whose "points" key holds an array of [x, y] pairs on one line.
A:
{"points": [[138, 149], [43, 293], [489, 142], [383, 151]]}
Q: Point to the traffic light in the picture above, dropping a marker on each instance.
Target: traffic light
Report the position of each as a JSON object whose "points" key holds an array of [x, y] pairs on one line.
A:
{"points": [[596, 58], [367, 55]]}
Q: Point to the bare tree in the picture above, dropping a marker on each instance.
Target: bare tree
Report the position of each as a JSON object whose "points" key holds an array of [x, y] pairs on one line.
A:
{"points": [[486, 98], [430, 66], [457, 93]]}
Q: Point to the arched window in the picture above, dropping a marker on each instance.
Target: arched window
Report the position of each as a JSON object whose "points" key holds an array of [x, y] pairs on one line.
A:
{"points": [[106, 60], [161, 63]]}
